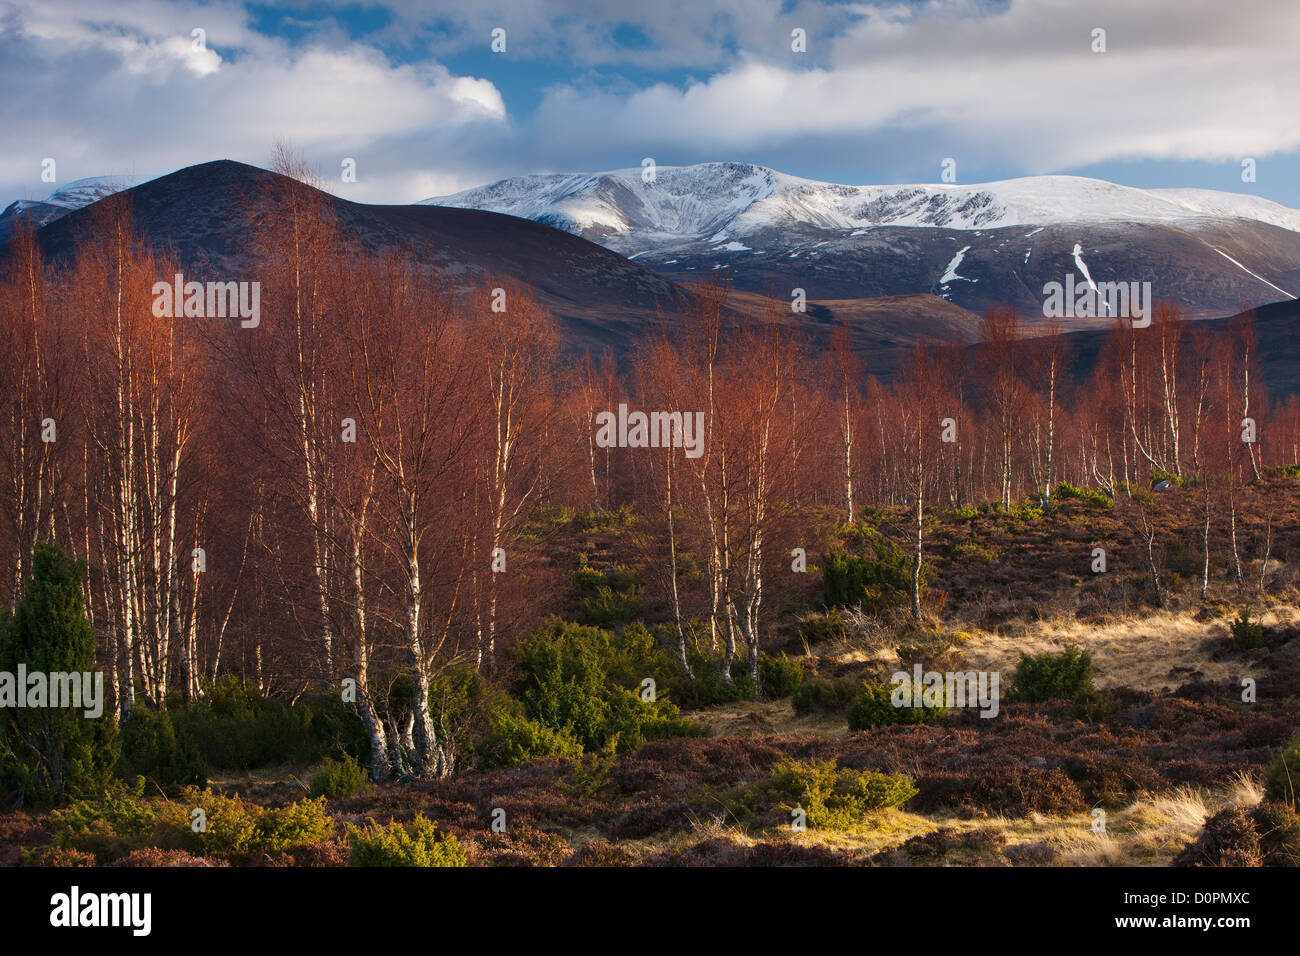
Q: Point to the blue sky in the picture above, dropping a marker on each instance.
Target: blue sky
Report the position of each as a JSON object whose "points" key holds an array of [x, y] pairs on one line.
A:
{"points": [[1183, 92]]}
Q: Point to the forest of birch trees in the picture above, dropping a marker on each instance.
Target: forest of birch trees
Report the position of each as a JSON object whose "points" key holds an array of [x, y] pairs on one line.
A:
{"points": [[347, 489]]}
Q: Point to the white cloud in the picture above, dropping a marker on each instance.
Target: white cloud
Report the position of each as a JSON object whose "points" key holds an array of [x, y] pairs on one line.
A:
{"points": [[1181, 80], [102, 90], [1013, 87]]}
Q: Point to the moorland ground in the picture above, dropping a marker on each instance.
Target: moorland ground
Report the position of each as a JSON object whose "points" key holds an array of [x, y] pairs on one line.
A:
{"points": [[1158, 734]]}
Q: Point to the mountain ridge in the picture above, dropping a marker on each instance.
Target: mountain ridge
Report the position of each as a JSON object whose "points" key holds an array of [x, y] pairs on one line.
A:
{"points": [[977, 246], [890, 287], [756, 197]]}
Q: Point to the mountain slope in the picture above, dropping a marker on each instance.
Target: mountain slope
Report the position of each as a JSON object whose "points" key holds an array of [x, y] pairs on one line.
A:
{"points": [[601, 299], [205, 213], [1208, 251]]}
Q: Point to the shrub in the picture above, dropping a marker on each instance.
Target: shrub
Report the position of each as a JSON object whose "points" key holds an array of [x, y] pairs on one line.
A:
{"points": [[333, 728], [1247, 635], [416, 844], [927, 649], [1024, 511], [1091, 496], [605, 599], [233, 825], [1048, 676], [636, 653], [1282, 778], [117, 822], [49, 753], [120, 822], [874, 583], [819, 696], [1094, 706], [834, 798], [515, 739], [874, 707], [779, 676], [975, 550], [664, 723], [150, 749], [233, 726], [565, 684], [610, 522], [1159, 474], [708, 688], [551, 517], [337, 779], [593, 774], [279, 828], [607, 607], [822, 628]]}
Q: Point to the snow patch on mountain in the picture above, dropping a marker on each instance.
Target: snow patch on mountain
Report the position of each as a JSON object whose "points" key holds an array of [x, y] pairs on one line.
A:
{"points": [[1087, 276], [950, 274], [1255, 274]]}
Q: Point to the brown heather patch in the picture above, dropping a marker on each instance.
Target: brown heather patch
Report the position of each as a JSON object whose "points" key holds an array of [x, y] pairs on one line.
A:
{"points": [[949, 846], [153, 856], [58, 856], [598, 852], [19, 831], [309, 854], [726, 852], [518, 846]]}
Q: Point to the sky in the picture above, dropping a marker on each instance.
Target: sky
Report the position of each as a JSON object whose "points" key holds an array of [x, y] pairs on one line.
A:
{"points": [[1183, 92]]}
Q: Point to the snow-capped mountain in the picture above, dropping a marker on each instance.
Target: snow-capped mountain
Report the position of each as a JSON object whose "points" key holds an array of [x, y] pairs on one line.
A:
{"points": [[970, 246], [82, 192], [974, 245], [699, 202], [65, 199]]}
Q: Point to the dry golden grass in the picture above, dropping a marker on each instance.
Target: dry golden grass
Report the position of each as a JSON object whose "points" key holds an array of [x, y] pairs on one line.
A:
{"points": [[1138, 652], [1150, 831], [760, 718], [881, 830]]}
